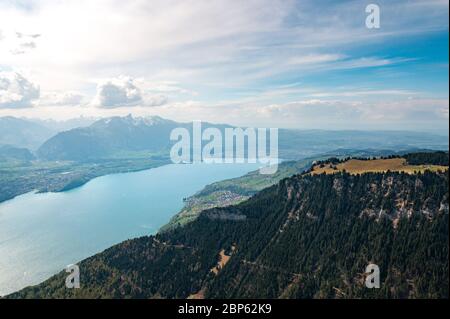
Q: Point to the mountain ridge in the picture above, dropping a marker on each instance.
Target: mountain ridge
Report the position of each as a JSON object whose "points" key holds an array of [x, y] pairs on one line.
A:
{"points": [[115, 136]]}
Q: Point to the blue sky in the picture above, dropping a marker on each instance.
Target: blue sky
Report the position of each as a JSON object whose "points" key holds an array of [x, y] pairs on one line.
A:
{"points": [[302, 64]]}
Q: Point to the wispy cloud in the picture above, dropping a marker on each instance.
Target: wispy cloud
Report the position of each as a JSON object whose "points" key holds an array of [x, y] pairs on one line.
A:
{"points": [[367, 92], [233, 56], [314, 59]]}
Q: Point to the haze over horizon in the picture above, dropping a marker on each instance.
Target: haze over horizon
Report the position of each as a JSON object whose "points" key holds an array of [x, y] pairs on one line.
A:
{"points": [[74, 122], [291, 64]]}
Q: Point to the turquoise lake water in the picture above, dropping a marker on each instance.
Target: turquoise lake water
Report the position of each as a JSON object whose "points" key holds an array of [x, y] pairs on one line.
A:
{"points": [[40, 234]]}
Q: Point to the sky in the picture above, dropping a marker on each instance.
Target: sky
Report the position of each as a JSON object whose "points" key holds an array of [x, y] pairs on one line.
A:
{"points": [[261, 63]]}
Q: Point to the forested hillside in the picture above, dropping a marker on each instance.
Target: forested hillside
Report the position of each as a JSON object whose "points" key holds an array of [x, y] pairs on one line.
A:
{"points": [[306, 237]]}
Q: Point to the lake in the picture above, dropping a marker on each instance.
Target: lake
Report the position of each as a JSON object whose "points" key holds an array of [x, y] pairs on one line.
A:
{"points": [[40, 234]]}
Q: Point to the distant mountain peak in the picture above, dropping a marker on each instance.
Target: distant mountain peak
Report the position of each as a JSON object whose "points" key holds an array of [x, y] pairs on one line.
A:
{"points": [[134, 120], [155, 119]]}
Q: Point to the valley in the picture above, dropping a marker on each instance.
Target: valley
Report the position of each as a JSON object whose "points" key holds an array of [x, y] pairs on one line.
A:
{"points": [[53, 156]]}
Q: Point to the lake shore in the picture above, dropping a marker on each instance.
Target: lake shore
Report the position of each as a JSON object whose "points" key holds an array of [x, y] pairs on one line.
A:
{"points": [[56, 177], [41, 233]]}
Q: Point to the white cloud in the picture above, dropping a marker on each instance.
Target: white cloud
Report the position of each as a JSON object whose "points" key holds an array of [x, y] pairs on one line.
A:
{"points": [[166, 87], [16, 91], [314, 59], [122, 92], [61, 99], [117, 92]]}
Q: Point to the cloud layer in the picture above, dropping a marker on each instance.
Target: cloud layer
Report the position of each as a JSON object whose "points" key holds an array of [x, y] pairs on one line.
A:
{"points": [[62, 99], [228, 60]]}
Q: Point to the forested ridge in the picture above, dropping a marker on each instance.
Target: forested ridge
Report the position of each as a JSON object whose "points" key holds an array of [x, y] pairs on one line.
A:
{"points": [[433, 158], [305, 237]]}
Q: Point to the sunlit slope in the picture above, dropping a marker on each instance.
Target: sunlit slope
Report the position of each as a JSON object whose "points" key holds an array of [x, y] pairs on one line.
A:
{"points": [[357, 166]]}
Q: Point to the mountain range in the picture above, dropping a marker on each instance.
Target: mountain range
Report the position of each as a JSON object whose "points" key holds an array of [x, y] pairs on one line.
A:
{"points": [[129, 137]]}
